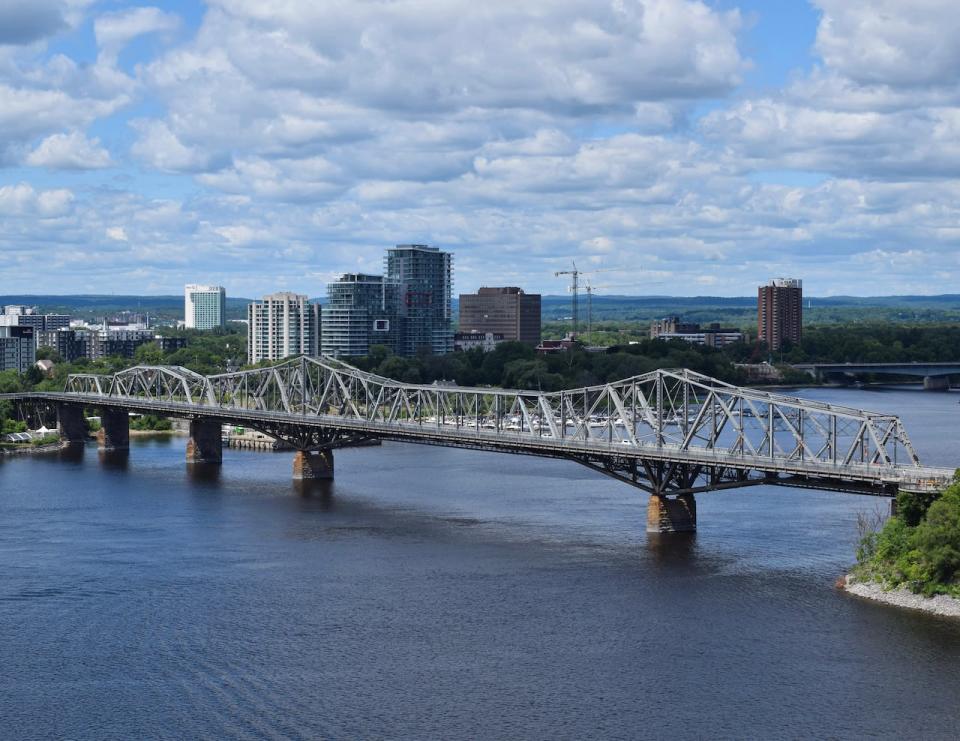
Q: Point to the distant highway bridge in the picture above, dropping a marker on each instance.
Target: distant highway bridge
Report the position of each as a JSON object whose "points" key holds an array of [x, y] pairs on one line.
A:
{"points": [[936, 376], [671, 433]]}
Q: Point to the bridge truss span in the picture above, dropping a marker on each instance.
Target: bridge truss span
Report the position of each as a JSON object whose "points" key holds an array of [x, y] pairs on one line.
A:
{"points": [[668, 431]]}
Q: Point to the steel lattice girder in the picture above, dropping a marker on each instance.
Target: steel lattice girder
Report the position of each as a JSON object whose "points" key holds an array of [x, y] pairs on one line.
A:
{"points": [[676, 410]]}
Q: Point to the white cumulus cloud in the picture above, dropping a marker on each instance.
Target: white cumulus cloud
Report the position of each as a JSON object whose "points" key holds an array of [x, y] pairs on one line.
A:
{"points": [[114, 30], [69, 151], [891, 42]]}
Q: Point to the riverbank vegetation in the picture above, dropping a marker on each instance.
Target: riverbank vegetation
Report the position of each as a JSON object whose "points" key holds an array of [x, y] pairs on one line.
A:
{"points": [[873, 342], [515, 365], [151, 423], [918, 548], [37, 442]]}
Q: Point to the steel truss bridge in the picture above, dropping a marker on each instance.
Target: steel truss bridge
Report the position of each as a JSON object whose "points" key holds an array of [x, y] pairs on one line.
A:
{"points": [[669, 432]]}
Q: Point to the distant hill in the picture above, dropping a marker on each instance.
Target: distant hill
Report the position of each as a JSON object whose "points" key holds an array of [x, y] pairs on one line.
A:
{"points": [[736, 310], [97, 304], [741, 311]]}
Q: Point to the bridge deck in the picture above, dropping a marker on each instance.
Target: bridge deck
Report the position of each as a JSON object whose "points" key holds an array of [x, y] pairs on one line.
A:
{"points": [[893, 369], [852, 476]]}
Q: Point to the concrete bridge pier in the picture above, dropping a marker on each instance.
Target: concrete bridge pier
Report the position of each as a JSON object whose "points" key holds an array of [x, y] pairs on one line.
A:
{"points": [[114, 433], [206, 441], [936, 383], [672, 514], [313, 464], [72, 424]]}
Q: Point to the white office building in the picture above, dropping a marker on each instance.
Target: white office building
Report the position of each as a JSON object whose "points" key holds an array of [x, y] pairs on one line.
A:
{"points": [[282, 325], [204, 307]]}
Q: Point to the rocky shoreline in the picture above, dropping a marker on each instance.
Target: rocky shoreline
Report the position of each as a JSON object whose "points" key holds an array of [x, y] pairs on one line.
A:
{"points": [[902, 597], [59, 445], [30, 449]]}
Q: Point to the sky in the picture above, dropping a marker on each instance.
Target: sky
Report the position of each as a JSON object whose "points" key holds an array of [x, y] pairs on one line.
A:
{"points": [[683, 147]]}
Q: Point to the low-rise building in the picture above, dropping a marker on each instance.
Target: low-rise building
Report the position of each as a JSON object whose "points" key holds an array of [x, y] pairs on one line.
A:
{"points": [[170, 344], [671, 325], [486, 341], [124, 342], [713, 335], [760, 372], [70, 344], [547, 347]]}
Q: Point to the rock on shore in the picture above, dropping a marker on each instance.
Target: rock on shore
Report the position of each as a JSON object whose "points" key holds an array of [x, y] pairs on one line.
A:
{"points": [[31, 449], [903, 597]]}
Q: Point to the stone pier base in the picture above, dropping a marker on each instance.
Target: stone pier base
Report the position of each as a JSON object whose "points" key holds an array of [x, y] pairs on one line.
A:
{"points": [[312, 464], [672, 514], [114, 433], [206, 442], [936, 383], [72, 424]]}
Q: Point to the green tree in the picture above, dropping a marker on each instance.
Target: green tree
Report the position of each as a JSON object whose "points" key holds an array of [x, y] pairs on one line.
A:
{"points": [[924, 557], [936, 544], [48, 353], [149, 354]]}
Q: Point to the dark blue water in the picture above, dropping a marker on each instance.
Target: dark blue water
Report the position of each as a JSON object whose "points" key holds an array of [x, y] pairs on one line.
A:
{"points": [[434, 593]]}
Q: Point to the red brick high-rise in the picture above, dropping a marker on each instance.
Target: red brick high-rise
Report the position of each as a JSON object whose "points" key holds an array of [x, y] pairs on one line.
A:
{"points": [[780, 312]]}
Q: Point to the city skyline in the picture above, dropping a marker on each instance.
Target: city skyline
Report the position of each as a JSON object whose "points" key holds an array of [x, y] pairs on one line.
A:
{"points": [[143, 146]]}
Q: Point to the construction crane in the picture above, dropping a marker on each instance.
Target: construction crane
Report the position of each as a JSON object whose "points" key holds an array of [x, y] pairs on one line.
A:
{"points": [[590, 289], [575, 290]]}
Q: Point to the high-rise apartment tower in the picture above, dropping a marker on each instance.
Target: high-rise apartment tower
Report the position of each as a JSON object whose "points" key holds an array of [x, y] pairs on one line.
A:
{"points": [[18, 349], [780, 312], [424, 279], [282, 325], [204, 307], [361, 310], [507, 311]]}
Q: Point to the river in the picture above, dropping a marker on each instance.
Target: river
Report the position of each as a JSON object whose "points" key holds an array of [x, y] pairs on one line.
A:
{"points": [[441, 593]]}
